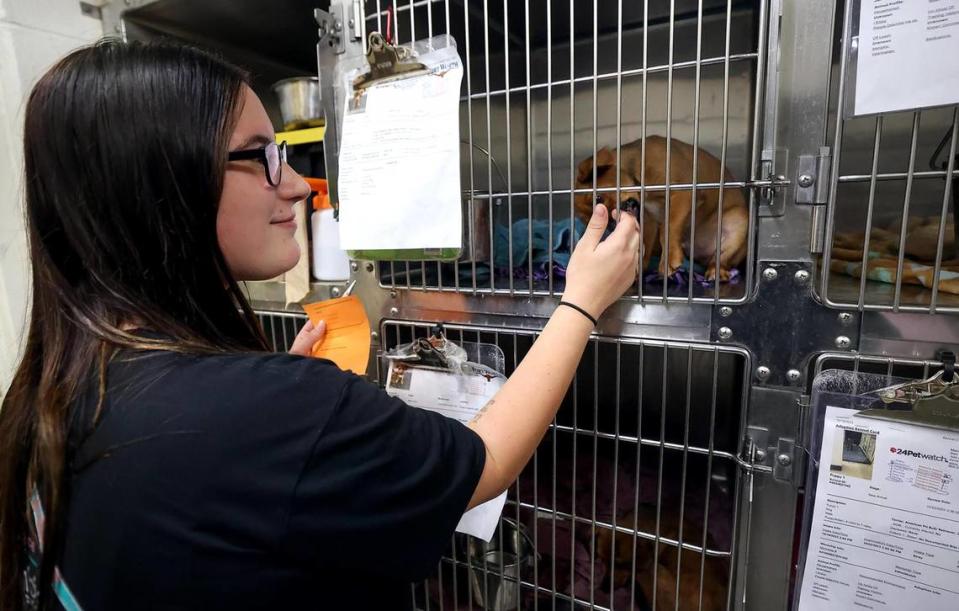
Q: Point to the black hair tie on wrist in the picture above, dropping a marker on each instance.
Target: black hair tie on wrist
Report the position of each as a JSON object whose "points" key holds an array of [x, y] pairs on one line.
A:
{"points": [[580, 310]]}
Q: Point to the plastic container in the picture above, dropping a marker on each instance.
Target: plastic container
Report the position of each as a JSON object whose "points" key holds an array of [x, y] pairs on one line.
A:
{"points": [[330, 263]]}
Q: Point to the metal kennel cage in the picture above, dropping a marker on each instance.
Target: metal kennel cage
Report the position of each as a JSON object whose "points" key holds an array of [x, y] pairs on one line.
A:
{"points": [[546, 85], [686, 391], [757, 84], [634, 438]]}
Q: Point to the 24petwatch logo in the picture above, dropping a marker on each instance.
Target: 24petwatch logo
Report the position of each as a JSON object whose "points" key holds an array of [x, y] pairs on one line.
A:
{"points": [[914, 454]]}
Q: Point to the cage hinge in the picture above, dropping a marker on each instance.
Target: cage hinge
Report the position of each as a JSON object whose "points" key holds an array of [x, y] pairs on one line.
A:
{"points": [[356, 20], [812, 178], [812, 189], [803, 402], [331, 27], [801, 450]]}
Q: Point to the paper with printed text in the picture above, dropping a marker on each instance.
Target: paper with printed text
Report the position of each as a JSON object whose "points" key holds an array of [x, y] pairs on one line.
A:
{"points": [[885, 526], [907, 55], [459, 397]]}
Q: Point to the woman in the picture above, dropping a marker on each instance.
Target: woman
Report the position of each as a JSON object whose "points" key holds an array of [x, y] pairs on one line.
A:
{"points": [[153, 453]]}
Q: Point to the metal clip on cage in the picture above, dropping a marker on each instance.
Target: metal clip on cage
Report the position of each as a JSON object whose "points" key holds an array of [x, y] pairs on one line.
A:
{"points": [[387, 63], [933, 401], [432, 351]]}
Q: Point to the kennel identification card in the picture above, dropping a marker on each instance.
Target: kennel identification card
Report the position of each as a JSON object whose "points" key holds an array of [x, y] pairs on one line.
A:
{"points": [[885, 526], [459, 397], [906, 55]]}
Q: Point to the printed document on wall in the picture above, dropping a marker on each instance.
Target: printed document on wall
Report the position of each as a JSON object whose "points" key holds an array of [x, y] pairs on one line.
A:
{"points": [[399, 181], [885, 525], [907, 55]]}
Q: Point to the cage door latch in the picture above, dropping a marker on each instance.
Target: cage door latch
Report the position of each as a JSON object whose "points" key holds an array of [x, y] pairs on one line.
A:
{"points": [[755, 448], [812, 178], [777, 456]]}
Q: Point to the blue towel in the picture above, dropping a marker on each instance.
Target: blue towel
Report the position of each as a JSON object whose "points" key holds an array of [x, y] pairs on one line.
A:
{"points": [[562, 232]]}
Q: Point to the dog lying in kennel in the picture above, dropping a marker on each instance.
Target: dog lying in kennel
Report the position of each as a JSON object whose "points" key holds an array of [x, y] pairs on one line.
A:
{"points": [[620, 559], [735, 214]]}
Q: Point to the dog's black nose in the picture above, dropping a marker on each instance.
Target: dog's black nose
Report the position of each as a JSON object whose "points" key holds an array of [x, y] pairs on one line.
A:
{"points": [[631, 205], [599, 199]]}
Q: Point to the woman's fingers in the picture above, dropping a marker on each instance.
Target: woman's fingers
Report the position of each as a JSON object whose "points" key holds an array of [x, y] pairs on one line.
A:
{"points": [[597, 225], [309, 336], [626, 227]]}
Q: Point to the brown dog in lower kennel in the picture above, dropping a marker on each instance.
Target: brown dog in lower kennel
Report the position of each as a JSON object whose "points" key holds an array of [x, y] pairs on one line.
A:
{"points": [[647, 429]]}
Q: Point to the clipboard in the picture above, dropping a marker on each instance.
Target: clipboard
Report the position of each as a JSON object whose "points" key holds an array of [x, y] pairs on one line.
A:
{"points": [[399, 157], [456, 380], [878, 405]]}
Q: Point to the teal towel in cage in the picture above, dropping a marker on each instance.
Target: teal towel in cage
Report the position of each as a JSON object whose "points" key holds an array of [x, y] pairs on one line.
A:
{"points": [[540, 245]]}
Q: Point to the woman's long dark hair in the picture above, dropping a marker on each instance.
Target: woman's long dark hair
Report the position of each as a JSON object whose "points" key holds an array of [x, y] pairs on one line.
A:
{"points": [[125, 151]]}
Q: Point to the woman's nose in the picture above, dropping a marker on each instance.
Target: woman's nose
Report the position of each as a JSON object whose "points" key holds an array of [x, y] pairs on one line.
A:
{"points": [[293, 187]]}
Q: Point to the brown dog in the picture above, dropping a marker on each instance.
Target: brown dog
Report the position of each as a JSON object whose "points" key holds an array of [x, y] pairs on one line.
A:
{"points": [[715, 571], [735, 215]]}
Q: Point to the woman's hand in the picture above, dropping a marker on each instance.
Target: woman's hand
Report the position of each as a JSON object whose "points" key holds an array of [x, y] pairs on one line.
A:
{"points": [[307, 338], [599, 273]]}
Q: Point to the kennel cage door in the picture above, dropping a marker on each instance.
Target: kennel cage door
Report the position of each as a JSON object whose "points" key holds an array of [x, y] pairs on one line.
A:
{"points": [[879, 524]]}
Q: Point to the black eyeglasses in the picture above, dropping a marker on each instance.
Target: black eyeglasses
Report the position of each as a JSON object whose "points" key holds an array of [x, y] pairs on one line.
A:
{"points": [[272, 156]]}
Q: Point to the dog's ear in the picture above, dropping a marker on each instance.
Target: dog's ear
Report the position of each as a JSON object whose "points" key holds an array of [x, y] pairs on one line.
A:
{"points": [[584, 171], [605, 158], [603, 161]]}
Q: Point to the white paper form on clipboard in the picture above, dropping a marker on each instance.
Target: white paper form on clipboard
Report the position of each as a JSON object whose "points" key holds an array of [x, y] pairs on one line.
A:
{"points": [[399, 170], [457, 393], [881, 527]]}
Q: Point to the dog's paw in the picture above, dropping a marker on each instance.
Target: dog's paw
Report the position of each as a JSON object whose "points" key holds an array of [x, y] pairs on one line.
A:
{"points": [[667, 269], [723, 274]]}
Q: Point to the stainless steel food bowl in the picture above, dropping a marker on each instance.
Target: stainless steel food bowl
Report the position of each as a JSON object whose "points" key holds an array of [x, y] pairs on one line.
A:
{"points": [[300, 104], [496, 568]]}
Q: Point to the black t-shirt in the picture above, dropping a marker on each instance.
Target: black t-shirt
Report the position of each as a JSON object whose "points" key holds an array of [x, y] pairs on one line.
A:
{"points": [[257, 482]]}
